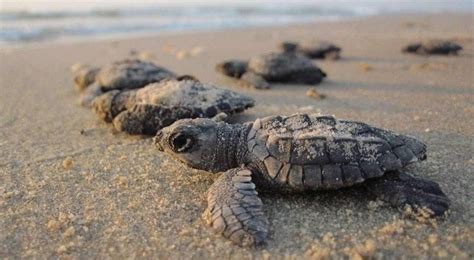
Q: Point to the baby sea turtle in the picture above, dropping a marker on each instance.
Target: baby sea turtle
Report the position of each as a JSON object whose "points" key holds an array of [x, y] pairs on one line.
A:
{"points": [[313, 49], [124, 74], [148, 109], [275, 67], [295, 153], [433, 47]]}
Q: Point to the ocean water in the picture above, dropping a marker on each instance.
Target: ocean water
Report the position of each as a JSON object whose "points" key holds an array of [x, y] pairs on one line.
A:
{"points": [[21, 24]]}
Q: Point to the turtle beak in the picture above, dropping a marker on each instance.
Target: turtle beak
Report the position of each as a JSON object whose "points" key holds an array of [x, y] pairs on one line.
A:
{"points": [[157, 140]]}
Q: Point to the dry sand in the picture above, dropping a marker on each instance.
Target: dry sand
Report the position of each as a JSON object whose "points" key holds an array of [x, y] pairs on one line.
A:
{"points": [[71, 187]]}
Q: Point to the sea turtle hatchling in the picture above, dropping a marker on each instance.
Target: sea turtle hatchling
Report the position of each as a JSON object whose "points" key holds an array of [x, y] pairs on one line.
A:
{"points": [[119, 75], [286, 67], [145, 110], [295, 153], [433, 47], [313, 49]]}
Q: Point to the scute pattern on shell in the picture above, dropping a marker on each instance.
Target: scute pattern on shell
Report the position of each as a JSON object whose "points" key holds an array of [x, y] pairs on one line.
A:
{"points": [[130, 74], [207, 98], [320, 152]]}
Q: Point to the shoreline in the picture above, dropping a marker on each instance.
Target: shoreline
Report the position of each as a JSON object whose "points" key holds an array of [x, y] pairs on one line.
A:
{"points": [[149, 35]]}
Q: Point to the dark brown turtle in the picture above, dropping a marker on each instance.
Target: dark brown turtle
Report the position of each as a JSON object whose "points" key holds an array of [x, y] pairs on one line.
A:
{"points": [[440, 47], [124, 74], [297, 153], [313, 49], [259, 71], [148, 109]]}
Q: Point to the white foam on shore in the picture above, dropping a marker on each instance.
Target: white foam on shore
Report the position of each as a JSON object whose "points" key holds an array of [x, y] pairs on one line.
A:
{"points": [[35, 21]]}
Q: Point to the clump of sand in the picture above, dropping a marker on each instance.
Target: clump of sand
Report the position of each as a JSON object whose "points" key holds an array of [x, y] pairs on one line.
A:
{"points": [[314, 94]]}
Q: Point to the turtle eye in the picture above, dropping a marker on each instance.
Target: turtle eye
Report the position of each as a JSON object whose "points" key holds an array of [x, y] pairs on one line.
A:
{"points": [[181, 142]]}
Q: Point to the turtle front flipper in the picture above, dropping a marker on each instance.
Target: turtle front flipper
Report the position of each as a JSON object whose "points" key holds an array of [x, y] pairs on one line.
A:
{"points": [[89, 94], [250, 79], [147, 119], [235, 208], [109, 104], [400, 189]]}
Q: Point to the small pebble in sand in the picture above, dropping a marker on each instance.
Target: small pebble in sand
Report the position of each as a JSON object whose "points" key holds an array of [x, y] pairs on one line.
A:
{"points": [[146, 55], [365, 67], [427, 130], [182, 54], [428, 66], [168, 48], [53, 225], [62, 249], [196, 50], [313, 93], [432, 239], [121, 181], [69, 232], [67, 163], [10, 194], [76, 66]]}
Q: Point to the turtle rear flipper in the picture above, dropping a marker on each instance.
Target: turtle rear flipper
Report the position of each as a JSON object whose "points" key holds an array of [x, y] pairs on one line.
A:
{"points": [[400, 189], [89, 94], [250, 79], [235, 208]]}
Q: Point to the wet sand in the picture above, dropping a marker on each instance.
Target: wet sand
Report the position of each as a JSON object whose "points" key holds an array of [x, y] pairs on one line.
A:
{"points": [[72, 187]]}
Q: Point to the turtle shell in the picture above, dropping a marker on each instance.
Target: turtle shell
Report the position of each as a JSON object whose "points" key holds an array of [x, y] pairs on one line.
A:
{"points": [[205, 100], [131, 74], [279, 66], [440, 46], [319, 49], [320, 152], [433, 47]]}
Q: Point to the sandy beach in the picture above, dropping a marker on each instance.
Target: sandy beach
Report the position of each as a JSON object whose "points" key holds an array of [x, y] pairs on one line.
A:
{"points": [[72, 187]]}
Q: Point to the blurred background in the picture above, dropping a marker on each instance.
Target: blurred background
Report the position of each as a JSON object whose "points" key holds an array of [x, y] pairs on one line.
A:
{"points": [[33, 21]]}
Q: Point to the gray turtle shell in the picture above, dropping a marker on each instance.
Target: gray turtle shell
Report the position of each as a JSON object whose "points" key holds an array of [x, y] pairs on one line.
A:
{"points": [[320, 152], [434, 47], [205, 100], [130, 74], [318, 49], [275, 66]]}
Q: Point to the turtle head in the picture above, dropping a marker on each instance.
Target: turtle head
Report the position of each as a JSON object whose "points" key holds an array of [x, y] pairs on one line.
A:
{"points": [[191, 141], [232, 68], [288, 46], [84, 76]]}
